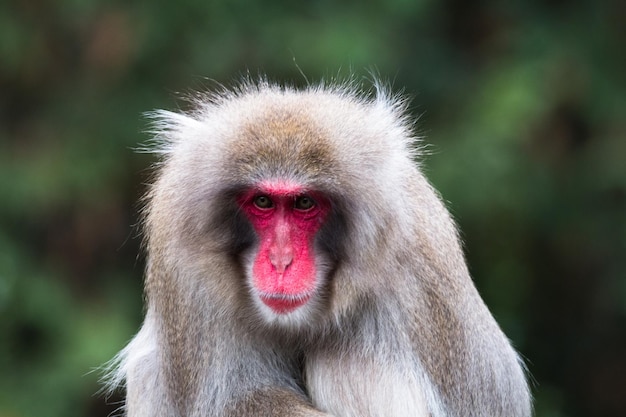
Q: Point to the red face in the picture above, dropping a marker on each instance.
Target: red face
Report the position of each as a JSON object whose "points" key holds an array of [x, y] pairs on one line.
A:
{"points": [[286, 219]]}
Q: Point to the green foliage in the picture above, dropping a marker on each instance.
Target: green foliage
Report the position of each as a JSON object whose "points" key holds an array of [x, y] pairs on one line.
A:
{"points": [[522, 105]]}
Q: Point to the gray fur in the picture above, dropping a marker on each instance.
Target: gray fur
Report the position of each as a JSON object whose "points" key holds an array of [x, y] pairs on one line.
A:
{"points": [[396, 327]]}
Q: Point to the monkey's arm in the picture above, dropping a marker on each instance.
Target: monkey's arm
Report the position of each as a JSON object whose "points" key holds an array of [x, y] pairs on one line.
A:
{"points": [[237, 380], [273, 402]]}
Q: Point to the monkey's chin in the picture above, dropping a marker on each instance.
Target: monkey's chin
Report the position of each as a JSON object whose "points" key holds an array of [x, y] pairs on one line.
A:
{"points": [[284, 304]]}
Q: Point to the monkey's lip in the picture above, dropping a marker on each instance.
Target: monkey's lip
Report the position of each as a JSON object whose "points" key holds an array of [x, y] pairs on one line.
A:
{"points": [[284, 303]]}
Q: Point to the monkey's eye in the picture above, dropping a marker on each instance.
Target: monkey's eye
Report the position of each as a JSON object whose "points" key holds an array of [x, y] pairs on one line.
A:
{"points": [[263, 202], [304, 203]]}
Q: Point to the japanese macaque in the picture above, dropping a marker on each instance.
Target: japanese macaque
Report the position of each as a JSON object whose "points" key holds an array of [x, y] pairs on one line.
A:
{"points": [[300, 264]]}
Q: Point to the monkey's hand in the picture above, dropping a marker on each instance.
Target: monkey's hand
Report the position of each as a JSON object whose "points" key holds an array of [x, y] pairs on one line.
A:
{"points": [[274, 402]]}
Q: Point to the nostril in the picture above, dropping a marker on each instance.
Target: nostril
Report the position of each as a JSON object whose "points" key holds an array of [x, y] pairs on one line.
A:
{"points": [[281, 259]]}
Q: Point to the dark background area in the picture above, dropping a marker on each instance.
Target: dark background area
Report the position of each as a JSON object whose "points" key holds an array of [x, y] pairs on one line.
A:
{"points": [[522, 103]]}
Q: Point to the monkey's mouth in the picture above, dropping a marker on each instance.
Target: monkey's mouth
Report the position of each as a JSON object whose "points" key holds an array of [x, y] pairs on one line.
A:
{"points": [[284, 303]]}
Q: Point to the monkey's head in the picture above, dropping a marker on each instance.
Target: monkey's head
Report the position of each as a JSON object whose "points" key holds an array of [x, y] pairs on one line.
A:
{"points": [[281, 187]]}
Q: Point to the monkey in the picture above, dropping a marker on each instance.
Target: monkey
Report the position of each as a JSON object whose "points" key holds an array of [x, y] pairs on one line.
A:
{"points": [[299, 263]]}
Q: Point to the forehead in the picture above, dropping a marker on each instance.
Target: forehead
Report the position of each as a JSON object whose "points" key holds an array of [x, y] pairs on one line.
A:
{"points": [[282, 144]]}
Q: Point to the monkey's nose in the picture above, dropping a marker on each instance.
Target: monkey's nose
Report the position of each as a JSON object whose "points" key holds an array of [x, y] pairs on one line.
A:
{"points": [[281, 258]]}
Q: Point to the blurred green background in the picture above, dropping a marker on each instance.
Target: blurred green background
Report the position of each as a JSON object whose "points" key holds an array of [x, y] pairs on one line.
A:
{"points": [[523, 104]]}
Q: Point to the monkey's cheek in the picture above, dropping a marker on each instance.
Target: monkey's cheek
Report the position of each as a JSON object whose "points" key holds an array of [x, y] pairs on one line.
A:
{"points": [[281, 304]]}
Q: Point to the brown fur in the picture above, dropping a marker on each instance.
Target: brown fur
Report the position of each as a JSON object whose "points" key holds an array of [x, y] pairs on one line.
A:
{"points": [[396, 327]]}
